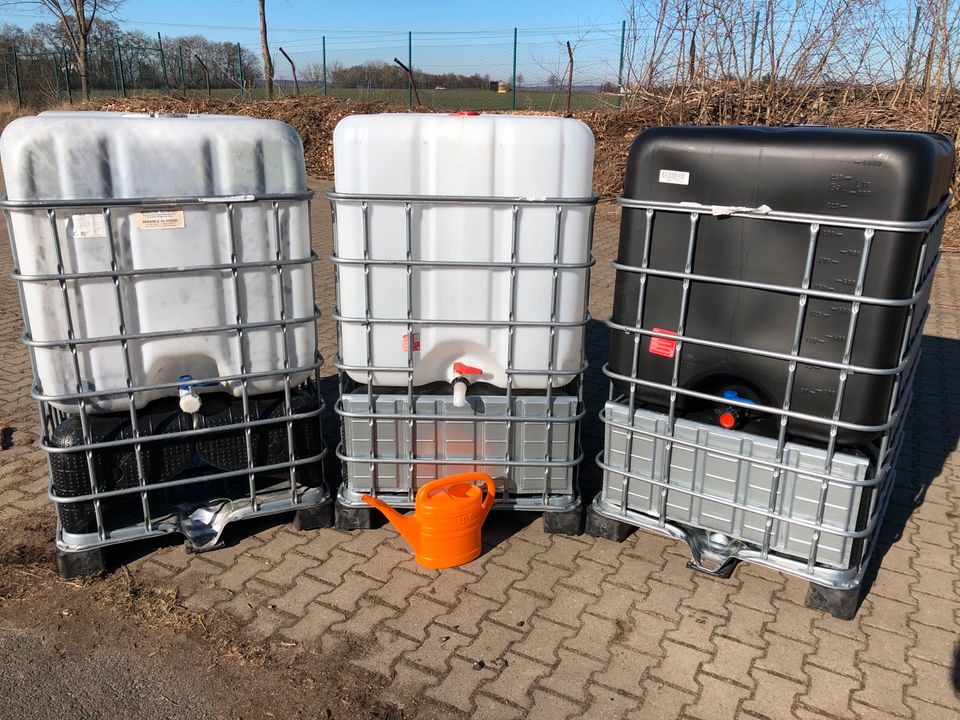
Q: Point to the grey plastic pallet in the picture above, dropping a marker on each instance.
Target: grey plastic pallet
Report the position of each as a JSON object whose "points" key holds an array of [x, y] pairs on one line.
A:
{"points": [[715, 492], [473, 433]]}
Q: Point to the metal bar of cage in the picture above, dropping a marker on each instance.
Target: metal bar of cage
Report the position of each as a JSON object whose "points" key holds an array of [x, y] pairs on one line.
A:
{"points": [[878, 483], [407, 457]]}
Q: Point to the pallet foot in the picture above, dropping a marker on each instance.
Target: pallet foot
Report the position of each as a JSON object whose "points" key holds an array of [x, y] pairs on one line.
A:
{"points": [[842, 604], [72, 565], [351, 518], [566, 522], [599, 526], [314, 518]]}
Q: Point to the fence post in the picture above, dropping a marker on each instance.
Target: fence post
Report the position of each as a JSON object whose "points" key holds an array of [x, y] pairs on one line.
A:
{"points": [[410, 65], [623, 45], [183, 85], [240, 70], [293, 69], [66, 76], [163, 63], [753, 45], [123, 84], [206, 74], [323, 40], [513, 84], [16, 77], [913, 43]]}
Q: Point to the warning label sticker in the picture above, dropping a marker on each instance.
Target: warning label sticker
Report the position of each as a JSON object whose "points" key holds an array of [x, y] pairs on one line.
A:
{"points": [[675, 177], [404, 343], [663, 346], [89, 225], [166, 219]]}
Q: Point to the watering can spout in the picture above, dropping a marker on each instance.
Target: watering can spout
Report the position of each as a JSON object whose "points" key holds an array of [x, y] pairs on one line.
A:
{"points": [[406, 525]]}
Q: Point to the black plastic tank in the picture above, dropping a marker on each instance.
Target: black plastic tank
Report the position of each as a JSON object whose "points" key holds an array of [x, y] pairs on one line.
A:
{"points": [[876, 175]]}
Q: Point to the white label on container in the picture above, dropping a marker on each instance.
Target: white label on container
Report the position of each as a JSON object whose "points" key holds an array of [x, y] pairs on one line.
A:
{"points": [[675, 177], [159, 219], [89, 225]]}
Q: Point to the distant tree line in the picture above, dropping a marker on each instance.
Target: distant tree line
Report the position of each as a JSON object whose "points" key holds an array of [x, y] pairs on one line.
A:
{"points": [[45, 60], [379, 74]]}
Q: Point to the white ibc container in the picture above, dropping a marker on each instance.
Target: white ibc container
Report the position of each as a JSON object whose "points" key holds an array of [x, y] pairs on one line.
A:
{"points": [[474, 156], [59, 157]]}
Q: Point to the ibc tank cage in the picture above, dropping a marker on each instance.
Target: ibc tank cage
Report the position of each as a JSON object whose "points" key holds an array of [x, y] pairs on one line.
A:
{"points": [[138, 453], [718, 464], [519, 423]]}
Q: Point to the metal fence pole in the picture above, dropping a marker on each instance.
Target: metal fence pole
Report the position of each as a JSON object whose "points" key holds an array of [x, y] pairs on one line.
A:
{"points": [[183, 85], [66, 76], [623, 44], [513, 84], [240, 69], [323, 41], [116, 75], [293, 70], [16, 77], [163, 62], [123, 84], [410, 65]]}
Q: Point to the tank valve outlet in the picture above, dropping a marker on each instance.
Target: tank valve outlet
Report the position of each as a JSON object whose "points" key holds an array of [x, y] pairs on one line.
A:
{"points": [[189, 397], [460, 382], [459, 392], [732, 417]]}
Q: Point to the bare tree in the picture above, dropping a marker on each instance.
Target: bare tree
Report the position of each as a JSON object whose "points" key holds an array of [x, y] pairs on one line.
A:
{"points": [[76, 19], [265, 49]]}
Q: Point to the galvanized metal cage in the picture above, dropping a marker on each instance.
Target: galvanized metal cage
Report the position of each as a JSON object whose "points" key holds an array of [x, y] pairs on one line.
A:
{"points": [[811, 510], [152, 470], [395, 439]]}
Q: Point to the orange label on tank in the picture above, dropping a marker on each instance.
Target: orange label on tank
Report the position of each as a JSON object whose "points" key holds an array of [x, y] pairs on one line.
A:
{"points": [[663, 346]]}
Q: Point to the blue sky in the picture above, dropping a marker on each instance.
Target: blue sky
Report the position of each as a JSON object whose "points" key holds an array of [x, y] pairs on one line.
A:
{"points": [[463, 37], [303, 19]]}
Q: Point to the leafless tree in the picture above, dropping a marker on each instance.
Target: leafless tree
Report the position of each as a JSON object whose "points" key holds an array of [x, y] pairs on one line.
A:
{"points": [[76, 18]]}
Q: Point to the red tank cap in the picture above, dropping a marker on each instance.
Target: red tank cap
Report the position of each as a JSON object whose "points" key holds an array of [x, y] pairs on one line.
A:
{"points": [[465, 113], [727, 420]]}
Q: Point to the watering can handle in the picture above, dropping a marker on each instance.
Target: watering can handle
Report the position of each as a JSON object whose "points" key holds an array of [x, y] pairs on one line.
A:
{"points": [[462, 478]]}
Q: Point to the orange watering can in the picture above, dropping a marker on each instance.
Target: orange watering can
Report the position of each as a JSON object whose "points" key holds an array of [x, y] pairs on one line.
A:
{"points": [[444, 531]]}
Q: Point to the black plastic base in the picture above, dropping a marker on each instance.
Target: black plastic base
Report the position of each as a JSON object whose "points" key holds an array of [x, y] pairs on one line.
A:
{"points": [[72, 565], [599, 526], [568, 522], [842, 604], [314, 518], [351, 518]]}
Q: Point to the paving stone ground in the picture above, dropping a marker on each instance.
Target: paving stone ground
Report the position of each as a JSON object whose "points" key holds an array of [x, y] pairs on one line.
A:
{"points": [[545, 626]]}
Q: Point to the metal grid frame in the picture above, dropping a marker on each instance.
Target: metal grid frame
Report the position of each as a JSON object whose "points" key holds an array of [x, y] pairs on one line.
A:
{"points": [[545, 501], [707, 552], [207, 522]]}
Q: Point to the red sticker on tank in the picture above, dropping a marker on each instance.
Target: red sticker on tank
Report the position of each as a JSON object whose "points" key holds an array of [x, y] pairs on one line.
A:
{"points": [[662, 346], [416, 343]]}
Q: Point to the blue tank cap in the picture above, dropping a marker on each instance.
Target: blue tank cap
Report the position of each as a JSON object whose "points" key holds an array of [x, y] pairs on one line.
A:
{"points": [[733, 395]]}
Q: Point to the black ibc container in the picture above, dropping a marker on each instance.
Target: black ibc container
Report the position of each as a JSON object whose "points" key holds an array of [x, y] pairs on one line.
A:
{"points": [[876, 175], [200, 454]]}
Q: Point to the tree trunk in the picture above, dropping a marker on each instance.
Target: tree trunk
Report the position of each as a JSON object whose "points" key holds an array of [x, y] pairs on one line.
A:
{"points": [[82, 65], [265, 49]]}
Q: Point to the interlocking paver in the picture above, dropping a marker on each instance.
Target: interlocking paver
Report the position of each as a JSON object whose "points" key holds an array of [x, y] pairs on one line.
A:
{"points": [[577, 627]]}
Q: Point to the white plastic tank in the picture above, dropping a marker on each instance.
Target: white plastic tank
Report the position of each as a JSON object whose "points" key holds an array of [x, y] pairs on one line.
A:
{"points": [[58, 157], [474, 156]]}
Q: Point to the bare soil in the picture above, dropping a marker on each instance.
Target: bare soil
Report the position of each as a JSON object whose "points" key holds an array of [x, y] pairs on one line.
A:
{"points": [[112, 648]]}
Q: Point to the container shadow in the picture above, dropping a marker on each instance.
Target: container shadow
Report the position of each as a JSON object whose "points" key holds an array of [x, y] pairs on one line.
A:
{"points": [[931, 435], [596, 390]]}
